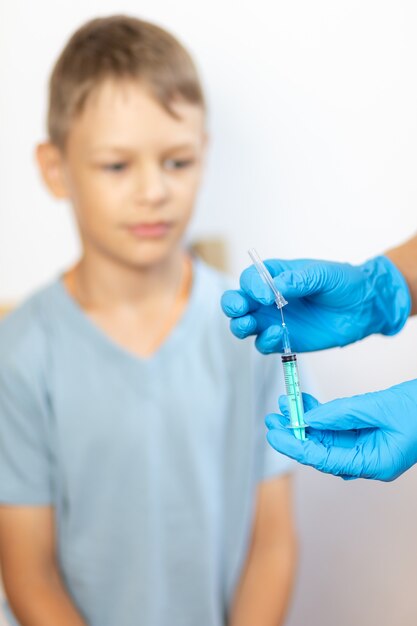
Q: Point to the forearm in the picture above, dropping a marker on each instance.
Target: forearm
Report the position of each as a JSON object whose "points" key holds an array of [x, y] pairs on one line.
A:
{"points": [[41, 601], [264, 591], [405, 259]]}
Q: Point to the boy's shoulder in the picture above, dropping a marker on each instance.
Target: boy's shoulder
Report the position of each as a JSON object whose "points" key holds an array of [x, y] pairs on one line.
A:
{"points": [[208, 320], [213, 278], [210, 284], [23, 331]]}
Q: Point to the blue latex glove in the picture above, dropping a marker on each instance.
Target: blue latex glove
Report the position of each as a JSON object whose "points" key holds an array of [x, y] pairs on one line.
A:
{"points": [[329, 304], [369, 436]]}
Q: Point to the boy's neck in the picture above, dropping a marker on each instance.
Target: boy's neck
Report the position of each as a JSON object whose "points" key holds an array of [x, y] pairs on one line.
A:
{"points": [[137, 308], [99, 283]]}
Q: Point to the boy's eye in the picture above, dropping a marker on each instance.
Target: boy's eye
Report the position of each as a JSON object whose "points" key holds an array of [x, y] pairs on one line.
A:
{"points": [[178, 164], [115, 167]]}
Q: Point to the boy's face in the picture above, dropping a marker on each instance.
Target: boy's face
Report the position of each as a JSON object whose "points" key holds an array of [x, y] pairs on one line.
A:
{"points": [[131, 171]]}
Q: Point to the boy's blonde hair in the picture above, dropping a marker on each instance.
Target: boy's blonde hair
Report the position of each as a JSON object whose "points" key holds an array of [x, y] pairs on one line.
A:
{"points": [[118, 47]]}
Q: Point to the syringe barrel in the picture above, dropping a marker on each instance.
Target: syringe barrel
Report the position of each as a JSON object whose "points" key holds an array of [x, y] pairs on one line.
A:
{"points": [[295, 399]]}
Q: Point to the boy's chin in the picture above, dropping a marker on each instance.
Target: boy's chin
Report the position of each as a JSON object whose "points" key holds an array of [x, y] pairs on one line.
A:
{"points": [[151, 255]]}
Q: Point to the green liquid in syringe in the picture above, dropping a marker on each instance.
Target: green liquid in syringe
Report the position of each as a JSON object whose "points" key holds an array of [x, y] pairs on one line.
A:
{"points": [[295, 400]]}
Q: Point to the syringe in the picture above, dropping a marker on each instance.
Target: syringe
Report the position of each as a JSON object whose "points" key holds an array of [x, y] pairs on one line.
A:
{"points": [[289, 358]]}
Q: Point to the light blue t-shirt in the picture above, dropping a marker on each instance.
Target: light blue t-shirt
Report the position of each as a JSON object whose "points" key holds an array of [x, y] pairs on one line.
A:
{"points": [[151, 463]]}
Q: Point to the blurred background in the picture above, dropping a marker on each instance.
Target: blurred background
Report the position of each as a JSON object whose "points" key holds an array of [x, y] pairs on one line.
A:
{"points": [[313, 124]]}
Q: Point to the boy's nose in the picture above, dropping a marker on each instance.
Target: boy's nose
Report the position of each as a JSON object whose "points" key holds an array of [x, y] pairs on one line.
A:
{"points": [[151, 188]]}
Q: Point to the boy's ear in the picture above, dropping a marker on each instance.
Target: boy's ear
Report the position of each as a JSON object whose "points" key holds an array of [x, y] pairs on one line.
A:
{"points": [[51, 164], [204, 150], [206, 142]]}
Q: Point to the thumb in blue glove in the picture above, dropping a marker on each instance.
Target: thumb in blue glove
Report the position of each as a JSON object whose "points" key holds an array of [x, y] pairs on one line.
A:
{"points": [[368, 436], [330, 304]]}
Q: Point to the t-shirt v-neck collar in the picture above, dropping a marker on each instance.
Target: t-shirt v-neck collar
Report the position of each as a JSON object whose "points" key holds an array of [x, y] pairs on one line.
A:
{"points": [[179, 333]]}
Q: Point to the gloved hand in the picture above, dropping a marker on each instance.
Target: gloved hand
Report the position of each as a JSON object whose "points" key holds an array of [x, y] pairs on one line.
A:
{"points": [[369, 436], [329, 304]]}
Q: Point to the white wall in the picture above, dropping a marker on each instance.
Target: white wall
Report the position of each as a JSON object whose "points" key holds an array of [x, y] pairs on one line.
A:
{"points": [[314, 135]]}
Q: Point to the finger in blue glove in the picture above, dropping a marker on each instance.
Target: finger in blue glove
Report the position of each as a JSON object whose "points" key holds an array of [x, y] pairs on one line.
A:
{"points": [[368, 436], [330, 304]]}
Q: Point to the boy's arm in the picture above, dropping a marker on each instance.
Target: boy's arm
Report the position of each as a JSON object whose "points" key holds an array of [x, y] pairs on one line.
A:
{"points": [[266, 582], [31, 578]]}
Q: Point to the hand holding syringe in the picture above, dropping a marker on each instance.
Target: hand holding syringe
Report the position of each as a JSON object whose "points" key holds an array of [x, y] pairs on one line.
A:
{"points": [[289, 358]]}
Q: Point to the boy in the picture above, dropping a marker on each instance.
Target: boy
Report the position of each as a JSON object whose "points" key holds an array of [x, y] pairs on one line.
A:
{"points": [[136, 486]]}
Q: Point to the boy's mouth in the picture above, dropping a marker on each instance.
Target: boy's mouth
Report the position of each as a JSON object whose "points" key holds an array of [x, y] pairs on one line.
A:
{"points": [[152, 230]]}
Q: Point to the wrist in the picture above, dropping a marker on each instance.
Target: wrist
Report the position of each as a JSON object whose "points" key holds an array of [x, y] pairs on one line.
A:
{"points": [[404, 258], [390, 296]]}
